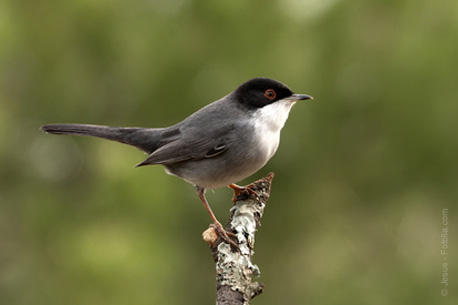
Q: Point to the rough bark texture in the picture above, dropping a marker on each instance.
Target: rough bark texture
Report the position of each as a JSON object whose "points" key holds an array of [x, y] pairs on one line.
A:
{"points": [[234, 268]]}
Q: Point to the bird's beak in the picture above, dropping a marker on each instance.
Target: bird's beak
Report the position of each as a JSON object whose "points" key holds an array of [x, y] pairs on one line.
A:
{"points": [[299, 97]]}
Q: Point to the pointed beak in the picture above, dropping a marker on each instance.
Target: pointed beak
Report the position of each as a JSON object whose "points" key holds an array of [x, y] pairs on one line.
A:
{"points": [[299, 97]]}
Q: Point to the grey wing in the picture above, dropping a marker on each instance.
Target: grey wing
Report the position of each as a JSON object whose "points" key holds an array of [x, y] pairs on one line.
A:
{"points": [[194, 144]]}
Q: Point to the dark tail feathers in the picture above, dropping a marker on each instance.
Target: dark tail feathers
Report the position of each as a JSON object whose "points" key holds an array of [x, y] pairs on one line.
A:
{"points": [[145, 139]]}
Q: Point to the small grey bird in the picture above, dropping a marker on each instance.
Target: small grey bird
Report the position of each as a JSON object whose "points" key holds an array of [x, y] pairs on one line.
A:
{"points": [[220, 144]]}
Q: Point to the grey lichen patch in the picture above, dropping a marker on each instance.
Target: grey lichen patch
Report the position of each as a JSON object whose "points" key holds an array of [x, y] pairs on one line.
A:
{"points": [[234, 268], [244, 222]]}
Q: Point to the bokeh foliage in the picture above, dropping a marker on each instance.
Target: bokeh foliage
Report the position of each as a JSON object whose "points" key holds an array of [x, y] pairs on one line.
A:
{"points": [[362, 174]]}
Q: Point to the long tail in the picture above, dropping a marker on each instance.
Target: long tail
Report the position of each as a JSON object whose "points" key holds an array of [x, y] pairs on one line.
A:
{"points": [[145, 139]]}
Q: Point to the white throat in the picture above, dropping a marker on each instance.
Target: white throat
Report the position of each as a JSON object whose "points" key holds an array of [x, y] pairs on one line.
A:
{"points": [[268, 122], [273, 116]]}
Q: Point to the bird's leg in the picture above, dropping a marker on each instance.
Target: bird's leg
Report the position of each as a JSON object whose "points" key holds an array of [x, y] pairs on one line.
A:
{"points": [[242, 189], [216, 224]]}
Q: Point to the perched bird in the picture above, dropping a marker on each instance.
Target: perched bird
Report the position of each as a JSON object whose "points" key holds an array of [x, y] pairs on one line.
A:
{"points": [[220, 144]]}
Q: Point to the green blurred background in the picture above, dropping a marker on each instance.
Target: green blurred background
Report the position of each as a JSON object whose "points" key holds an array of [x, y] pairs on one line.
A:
{"points": [[362, 174]]}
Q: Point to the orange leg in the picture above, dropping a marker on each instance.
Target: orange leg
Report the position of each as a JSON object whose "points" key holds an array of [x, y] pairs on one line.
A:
{"points": [[216, 224]]}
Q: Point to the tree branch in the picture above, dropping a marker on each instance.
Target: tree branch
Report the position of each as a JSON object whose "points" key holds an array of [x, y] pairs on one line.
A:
{"points": [[234, 268]]}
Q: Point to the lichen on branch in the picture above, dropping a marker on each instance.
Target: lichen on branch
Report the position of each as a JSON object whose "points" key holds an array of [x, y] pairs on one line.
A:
{"points": [[234, 268]]}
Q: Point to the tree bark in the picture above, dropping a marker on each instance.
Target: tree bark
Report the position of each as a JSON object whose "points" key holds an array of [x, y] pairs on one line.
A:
{"points": [[234, 268]]}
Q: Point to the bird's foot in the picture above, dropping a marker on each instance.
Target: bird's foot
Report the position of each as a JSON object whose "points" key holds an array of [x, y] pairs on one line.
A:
{"points": [[225, 235], [246, 190]]}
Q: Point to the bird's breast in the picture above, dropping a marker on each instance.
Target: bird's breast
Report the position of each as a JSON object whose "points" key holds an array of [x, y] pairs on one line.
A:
{"points": [[266, 144]]}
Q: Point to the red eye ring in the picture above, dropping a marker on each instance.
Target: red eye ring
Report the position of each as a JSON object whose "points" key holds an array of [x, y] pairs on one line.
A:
{"points": [[270, 94]]}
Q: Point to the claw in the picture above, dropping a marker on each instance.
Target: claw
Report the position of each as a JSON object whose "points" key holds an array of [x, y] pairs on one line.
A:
{"points": [[225, 234], [238, 190]]}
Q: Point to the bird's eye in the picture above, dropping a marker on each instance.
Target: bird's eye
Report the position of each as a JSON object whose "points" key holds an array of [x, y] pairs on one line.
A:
{"points": [[270, 94]]}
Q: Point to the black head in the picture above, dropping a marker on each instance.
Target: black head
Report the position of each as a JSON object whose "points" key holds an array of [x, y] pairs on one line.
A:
{"points": [[259, 92]]}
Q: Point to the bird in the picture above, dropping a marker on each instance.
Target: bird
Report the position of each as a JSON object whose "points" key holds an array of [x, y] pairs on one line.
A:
{"points": [[218, 145]]}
